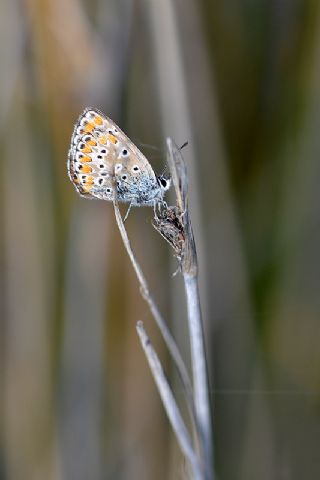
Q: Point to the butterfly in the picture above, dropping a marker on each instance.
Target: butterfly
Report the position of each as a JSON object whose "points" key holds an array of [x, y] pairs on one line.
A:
{"points": [[102, 160]]}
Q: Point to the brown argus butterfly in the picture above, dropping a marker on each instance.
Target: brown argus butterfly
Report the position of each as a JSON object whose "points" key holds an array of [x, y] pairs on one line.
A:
{"points": [[102, 158]]}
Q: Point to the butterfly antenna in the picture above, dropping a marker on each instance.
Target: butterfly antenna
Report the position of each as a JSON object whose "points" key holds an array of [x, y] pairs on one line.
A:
{"points": [[164, 171], [149, 146], [184, 145]]}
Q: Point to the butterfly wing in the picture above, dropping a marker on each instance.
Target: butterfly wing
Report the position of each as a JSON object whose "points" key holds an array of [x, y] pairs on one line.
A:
{"points": [[102, 156]]}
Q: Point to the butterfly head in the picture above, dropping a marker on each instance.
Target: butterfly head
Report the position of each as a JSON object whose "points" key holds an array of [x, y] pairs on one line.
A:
{"points": [[164, 183]]}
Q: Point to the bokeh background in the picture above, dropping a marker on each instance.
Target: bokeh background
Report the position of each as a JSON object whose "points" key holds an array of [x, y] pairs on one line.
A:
{"points": [[240, 80]]}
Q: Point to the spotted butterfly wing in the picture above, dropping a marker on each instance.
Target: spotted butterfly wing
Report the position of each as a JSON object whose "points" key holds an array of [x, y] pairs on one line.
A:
{"points": [[102, 158]]}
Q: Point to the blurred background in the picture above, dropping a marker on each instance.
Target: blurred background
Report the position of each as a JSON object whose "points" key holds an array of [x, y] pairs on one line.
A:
{"points": [[240, 81]]}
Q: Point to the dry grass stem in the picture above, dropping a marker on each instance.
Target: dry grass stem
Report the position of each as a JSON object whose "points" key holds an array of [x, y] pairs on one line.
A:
{"points": [[174, 225], [169, 340], [169, 403]]}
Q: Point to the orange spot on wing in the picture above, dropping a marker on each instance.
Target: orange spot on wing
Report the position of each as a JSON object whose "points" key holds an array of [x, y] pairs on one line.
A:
{"points": [[89, 180], [86, 169], [89, 127], [86, 159], [112, 138], [75, 179], [91, 142], [103, 140], [98, 120], [86, 150], [86, 188]]}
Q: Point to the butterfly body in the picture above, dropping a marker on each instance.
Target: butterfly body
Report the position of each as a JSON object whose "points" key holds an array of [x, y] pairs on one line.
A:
{"points": [[102, 160]]}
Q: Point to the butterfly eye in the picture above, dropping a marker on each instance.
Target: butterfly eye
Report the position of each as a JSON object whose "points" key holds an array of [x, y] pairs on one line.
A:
{"points": [[164, 182], [135, 168], [124, 152], [124, 177], [103, 151], [99, 156], [108, 190], [101, 165]]}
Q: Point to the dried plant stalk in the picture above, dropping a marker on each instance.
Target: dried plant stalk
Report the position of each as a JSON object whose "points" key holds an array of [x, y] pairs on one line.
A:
{"points": [[170, 404], [173, 349], [174, 225], [162, 325]]}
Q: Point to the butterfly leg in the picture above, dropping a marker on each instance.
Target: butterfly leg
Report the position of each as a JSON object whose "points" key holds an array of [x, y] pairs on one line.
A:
{"points": [[127, 214], [157, 209]]}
